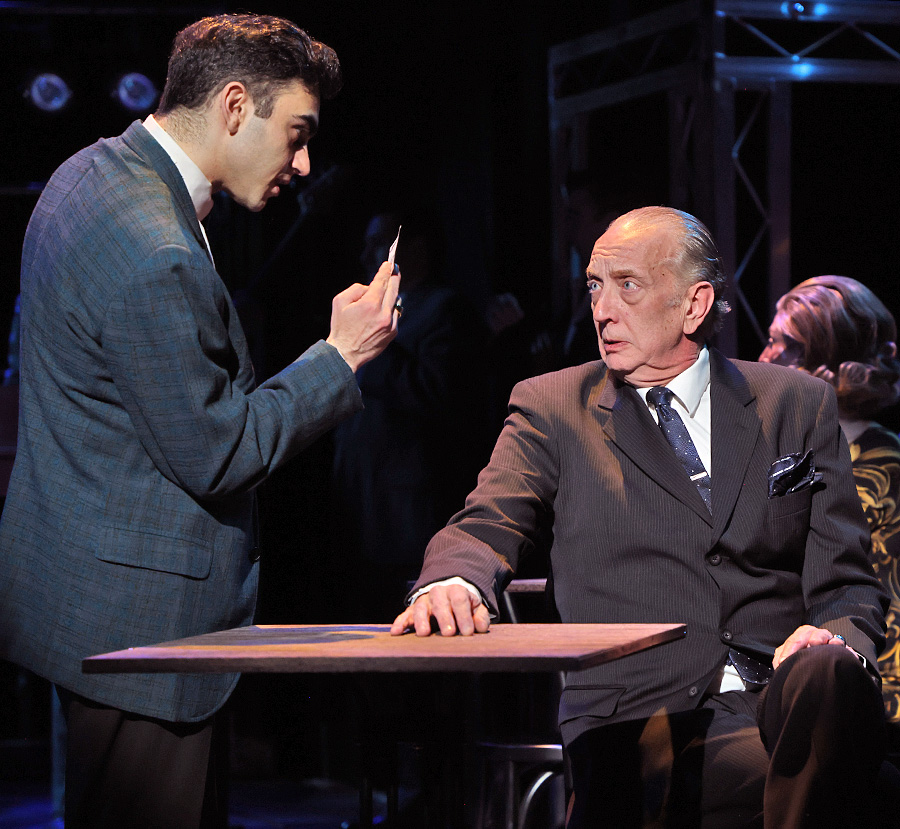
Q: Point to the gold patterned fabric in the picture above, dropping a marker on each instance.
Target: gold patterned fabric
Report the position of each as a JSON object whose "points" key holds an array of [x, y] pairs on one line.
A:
{"points": [[876, 470]]}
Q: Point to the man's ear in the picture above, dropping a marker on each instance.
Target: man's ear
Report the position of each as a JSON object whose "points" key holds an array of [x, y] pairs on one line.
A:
{"points": [[699, 298], [235, 105]]}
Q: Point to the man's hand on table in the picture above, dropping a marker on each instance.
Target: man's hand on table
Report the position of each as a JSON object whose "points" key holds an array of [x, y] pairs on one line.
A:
{"points": [[453, 609]]}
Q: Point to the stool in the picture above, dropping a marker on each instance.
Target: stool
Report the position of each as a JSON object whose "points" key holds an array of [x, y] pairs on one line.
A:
{"points": [[540, 762]]}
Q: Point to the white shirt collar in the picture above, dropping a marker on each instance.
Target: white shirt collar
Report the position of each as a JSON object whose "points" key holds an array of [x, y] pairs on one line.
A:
{"points": [[690, 385], [198, 185]]}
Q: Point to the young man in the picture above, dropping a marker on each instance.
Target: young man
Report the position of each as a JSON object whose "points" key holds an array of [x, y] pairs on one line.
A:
{"points": [[131, 517]]}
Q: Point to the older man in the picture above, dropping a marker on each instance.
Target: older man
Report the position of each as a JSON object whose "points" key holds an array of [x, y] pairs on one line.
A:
{"points": [[684, 487], [131, 517]]}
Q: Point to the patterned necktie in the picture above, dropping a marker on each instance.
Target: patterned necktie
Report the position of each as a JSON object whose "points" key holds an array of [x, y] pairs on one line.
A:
{"points": [[677, 434]]}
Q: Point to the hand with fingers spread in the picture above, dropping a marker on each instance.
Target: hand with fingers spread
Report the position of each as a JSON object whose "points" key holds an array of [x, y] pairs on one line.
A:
{"points": [[805, 636], [450, 609], [364, 318]]}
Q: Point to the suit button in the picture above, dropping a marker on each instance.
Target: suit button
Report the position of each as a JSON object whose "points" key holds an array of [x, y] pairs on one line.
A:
{"points": [[253, 555], [726, 635], [693, 691], [715, 559]]}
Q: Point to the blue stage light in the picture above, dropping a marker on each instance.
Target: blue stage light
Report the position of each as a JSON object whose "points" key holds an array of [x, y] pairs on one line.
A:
{"points": [[49, 92], [136, 92]]}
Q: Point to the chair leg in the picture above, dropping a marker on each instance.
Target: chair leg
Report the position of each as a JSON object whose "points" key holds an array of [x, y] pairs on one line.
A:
{"points": [[484, 800], [509, 813], [533, 789]]}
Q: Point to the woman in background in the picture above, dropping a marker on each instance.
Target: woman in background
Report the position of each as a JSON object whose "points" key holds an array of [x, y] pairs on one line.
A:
{"points": [[835, 328]]}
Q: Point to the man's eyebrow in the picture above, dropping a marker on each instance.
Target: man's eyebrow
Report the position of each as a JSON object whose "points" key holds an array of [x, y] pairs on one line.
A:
{"points": [[623, 273]]}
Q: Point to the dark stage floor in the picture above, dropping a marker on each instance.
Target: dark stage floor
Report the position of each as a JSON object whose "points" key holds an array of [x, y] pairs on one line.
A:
{"points": [[311, 804]]}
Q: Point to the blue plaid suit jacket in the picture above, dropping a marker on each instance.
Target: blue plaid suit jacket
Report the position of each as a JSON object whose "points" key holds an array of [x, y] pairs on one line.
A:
{"points": [[130, 517]]}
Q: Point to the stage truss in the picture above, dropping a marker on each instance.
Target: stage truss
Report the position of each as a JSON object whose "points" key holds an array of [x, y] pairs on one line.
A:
{"points": [[726, 69]]}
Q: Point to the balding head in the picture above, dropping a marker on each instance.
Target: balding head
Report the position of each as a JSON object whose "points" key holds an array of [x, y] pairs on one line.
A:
{"points": [[697, 259]]}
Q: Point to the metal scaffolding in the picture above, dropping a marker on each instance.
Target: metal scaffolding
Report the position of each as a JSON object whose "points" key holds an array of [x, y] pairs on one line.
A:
{"points": [[726, 69]]}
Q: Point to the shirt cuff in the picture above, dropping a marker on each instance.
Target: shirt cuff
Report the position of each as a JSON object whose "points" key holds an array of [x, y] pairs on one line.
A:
{"points": [[444, 583]]}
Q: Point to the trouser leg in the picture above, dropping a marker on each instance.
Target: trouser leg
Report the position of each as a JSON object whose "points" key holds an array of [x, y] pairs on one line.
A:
{"points": [[822, 721], [724, 766], [126, 770], [703, 768], [606, 778]]}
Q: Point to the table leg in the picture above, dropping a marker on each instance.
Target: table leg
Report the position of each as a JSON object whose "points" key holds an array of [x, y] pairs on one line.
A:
{"points": [[427, 713]]}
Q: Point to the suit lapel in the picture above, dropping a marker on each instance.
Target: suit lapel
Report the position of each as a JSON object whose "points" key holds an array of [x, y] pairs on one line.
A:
{"points": [[149, 148], [735, 429], [628, 423]]}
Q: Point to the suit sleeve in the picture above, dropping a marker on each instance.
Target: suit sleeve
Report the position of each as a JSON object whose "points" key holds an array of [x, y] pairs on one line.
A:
{"points": [[841, 591], [177, 358], [506, 512]]}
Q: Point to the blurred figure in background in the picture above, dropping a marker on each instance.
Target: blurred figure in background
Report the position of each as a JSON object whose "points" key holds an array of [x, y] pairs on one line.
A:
{"points": [[11, 372], [9, 405], [571, 339], [403, 465], [835, 328]]}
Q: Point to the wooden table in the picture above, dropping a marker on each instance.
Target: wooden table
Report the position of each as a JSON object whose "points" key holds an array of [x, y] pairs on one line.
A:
{"points": [[360, 649], [371, 648]]}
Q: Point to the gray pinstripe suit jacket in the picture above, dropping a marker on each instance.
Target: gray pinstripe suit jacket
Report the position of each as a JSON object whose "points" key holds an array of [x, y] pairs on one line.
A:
{"points": [[130, 516], [634, 542]]}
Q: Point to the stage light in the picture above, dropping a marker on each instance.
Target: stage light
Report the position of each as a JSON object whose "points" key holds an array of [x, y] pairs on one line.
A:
{"points": [[802, 70], [794, 9], [135, 92], [49, 92]]}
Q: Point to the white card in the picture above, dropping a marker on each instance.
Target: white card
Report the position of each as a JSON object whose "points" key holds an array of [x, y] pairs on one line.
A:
{"points": [[393, 250]]}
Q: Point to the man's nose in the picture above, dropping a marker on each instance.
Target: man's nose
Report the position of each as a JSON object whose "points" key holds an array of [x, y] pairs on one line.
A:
{"points": [[300, 162], [601, 307]]}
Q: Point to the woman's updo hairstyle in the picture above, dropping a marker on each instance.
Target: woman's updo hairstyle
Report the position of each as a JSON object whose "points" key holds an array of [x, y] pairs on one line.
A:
{"points": [[848, 337]]}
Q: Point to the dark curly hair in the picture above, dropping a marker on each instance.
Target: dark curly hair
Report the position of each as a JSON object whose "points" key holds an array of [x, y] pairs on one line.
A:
{"points": [[846, 336], [264, 53]]}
